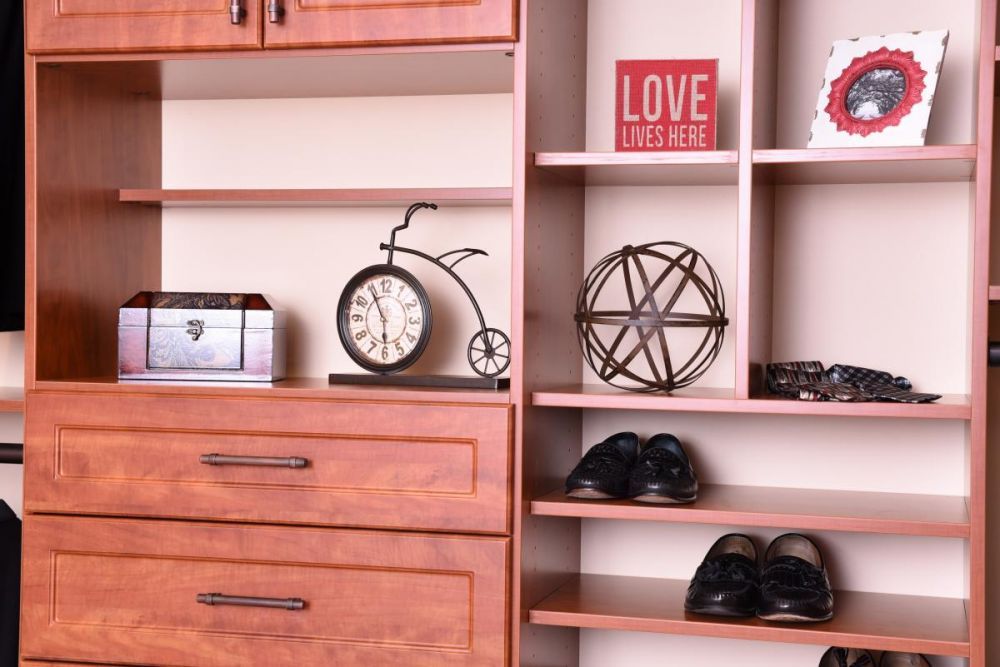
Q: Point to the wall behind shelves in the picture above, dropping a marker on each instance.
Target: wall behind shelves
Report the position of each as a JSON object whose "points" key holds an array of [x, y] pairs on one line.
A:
{"points": [[304, 256]]}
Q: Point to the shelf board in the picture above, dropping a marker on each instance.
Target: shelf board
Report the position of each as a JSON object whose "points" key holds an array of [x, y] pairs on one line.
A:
{"points": [[800, 509], [11, 399], [673, 168], [294, 388], [994, 293], [315, 197], [598, 396], [902, 164], [876, 621]]}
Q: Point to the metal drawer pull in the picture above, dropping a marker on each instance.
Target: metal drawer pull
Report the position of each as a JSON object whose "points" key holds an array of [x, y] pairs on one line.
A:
{"points": [[275, 11], [236, 12], [262, 461], [212, 599]]}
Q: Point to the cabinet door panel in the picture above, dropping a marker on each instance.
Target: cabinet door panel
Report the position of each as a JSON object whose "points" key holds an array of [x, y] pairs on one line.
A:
{"points": [[379, 465], [367, 22], [136, 592], [139, 25]]}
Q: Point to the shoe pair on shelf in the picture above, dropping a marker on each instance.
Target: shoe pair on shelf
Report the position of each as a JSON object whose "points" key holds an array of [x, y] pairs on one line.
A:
{"points": [[791, 586], [853, 657], [657, 472]]}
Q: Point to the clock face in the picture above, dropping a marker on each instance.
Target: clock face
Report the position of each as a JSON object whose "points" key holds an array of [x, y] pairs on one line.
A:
{"points": [[385, 318]]}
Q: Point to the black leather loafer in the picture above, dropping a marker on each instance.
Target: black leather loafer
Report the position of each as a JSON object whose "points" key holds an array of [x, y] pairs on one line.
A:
{"points": [[663, 473], [603, 471], [726, 583], [893, 659], [847, 657], [794, 586]]}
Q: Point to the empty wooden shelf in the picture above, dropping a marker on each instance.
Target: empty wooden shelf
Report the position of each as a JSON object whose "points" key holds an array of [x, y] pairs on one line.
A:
{"points": [[318, 197], [799, 509], [901, 164], [864, 620], [11, 399]]}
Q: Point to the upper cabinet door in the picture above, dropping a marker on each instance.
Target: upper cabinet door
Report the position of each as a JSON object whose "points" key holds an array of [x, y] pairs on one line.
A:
{"points": [[304, 23], [142, 25]]}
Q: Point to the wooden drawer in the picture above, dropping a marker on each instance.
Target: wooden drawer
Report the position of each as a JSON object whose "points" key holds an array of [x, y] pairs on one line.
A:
{"points": [[138, 25], [369, 22], [380, 465], [126, 591]]}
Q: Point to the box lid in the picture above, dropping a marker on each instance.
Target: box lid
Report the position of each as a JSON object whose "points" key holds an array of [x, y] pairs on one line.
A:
{"points": [[209, 309]]}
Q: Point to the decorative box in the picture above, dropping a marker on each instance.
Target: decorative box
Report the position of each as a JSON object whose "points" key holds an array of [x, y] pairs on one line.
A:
{"points": [[200, 336]]}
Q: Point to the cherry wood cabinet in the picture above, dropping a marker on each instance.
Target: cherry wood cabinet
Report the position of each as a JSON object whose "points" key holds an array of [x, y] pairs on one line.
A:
{"points": [[367, 464], [368, 22], [140, 25], [138, 592]]}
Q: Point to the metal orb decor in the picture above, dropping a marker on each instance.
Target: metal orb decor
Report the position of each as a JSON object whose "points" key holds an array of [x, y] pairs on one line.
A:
{"points": [[631, 319]]}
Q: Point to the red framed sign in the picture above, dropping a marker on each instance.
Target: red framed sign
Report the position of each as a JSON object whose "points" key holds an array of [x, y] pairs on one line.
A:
{"points": [[666, 105]]}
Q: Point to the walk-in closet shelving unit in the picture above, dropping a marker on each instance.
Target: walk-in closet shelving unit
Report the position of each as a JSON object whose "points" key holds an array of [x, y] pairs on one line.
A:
{"points": [[870, 256]]}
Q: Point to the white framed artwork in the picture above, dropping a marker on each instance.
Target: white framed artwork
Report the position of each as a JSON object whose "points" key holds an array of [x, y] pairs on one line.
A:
{"points": [[878, 90]]}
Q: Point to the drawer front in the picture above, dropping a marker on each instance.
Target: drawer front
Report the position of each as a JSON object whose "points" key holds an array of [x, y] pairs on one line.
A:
{"points": [[139, 25], [127, 591], [379, 465], [369, 22]]}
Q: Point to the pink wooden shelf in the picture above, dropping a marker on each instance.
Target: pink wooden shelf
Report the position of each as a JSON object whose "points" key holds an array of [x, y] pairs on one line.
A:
{"points": [[11, 399], [876, 621], [319, 197], [673, 168], [994, 292], [905, 164], [598, 396], [799, 509]]}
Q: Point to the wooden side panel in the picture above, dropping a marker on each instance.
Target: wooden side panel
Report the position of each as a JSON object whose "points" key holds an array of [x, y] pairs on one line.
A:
{"points": [[756, 198], [370, 22], [87, 252], [56, 26], [550, 96], [126, 592], [368, 464]]}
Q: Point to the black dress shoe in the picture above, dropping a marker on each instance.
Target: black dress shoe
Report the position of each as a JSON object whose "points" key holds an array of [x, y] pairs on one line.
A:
{"points": [[726, 583], [793, 584], [893, 659], [847, 657], [603, 471], [663, 473]]}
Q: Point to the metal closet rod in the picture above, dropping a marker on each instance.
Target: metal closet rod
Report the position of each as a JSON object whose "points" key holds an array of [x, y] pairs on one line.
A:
{"points": [[11, 452]]}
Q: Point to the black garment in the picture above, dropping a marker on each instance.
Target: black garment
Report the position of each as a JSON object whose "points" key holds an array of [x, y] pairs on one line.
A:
{"points": [[10, 575], [11, 166]]}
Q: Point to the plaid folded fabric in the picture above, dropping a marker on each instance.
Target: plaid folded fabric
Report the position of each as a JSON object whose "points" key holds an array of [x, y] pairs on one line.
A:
{"points": [[888, 392], [785, 378], [857, 375], [833, 391]]}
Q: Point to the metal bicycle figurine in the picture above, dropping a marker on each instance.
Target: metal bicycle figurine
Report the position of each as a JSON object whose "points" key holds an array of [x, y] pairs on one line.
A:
{"points": [[489, 350]]}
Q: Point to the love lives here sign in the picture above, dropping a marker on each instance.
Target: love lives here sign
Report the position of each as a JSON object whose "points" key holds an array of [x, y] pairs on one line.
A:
{"points": [[666, 105]]}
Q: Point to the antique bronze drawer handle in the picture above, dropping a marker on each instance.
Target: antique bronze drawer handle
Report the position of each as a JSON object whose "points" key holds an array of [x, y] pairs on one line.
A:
{"points": [[212, 599], [262, 461], [275, 11]]}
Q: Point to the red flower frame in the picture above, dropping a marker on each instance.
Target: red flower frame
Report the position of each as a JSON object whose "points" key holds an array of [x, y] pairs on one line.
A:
{"points": [[903, 61]]}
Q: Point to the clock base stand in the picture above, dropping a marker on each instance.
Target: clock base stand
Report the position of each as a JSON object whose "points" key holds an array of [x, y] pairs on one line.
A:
{"points": [[442, 381]]}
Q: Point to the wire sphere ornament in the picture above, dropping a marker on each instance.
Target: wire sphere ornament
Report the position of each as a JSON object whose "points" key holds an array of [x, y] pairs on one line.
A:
{"points": [[633, 347]]}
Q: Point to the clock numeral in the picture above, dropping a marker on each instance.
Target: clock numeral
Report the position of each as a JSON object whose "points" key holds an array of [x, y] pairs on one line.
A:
{"points": [[410, 337], [415, 321], [371, 348], [361, 301], [399, 350], [386, 284], [385, 353], [410, 305], [360, 335], [401, 288], [357, 318]]}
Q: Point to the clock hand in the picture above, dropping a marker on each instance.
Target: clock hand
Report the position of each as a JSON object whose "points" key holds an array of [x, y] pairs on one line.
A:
{"points": [[381, 314]]}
